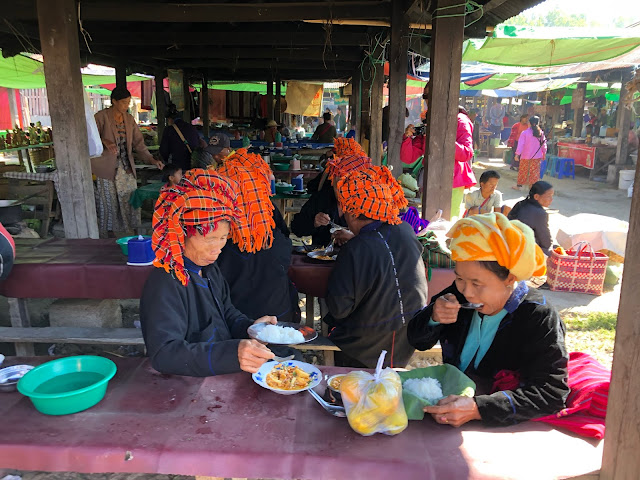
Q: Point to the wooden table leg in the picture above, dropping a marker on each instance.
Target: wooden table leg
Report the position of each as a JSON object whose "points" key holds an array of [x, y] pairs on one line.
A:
{"points": [[19, 314], [310, 310]]}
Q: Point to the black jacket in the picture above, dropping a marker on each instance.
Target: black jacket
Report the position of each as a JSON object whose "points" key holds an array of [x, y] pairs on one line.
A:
{"points": [[259, 282], [529, 340], [321, 201], [364, 305], [193, 330], [531, 213]]}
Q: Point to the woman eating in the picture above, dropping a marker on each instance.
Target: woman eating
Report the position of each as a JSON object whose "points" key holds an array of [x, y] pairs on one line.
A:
{"points": [[115, 169], [531, 211], [189, 323], [509, 327], [532, 148]]}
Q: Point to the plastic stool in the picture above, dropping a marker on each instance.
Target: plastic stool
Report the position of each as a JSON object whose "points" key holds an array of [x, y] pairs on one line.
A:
{"points": [[566, 167], [552, 165], [543, 168]]}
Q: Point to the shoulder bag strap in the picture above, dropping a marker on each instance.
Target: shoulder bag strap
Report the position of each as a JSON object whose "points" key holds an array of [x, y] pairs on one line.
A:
{"points": [[186, 144]]}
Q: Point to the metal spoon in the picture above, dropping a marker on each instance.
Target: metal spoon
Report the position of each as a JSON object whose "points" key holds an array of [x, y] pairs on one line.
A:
{"points": [[335, 410], [468, 305], [283, 359]]}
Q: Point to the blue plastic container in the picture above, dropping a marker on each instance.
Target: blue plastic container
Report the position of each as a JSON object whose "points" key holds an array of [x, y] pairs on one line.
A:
{"points": [[140, 251]]}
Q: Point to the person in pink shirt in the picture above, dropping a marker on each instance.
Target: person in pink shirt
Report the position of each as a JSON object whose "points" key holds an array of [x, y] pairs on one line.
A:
{"points": [[7, 252], [532, 148], [463, 176]]}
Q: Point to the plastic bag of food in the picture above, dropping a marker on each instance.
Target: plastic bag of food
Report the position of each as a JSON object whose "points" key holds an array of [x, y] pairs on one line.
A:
{"points": [[374, 402]]}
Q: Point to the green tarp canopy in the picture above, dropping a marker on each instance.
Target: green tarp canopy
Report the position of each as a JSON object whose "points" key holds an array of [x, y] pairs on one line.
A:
{"points": [[23, 72], [258, 87], [526, 47]]}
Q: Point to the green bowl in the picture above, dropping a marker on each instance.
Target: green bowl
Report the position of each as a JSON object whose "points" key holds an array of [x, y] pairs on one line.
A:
{"points": [[124, 241], [68, 385], [280, 189], [283, 167]]}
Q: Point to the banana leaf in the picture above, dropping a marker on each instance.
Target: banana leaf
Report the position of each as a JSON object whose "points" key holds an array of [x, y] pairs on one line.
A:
{"points": [[452, 380]]}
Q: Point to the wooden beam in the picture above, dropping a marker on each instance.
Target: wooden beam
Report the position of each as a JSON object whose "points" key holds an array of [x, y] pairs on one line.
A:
{"points": [[278, 107], [204, 105], [578, 110], [267, 64], [397, 85], [365, 111], [161, 107], [375, 142], [121, 73], [442, 114], [234, 38], [270, 99], [58, 25], [186, 115], [242, 53], [111, 11], [486, 8], [622, 440], [623, 121], [356, 119]]}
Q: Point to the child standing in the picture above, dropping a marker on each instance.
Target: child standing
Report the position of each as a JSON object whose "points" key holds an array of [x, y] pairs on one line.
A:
{"points": [[172, 174]]}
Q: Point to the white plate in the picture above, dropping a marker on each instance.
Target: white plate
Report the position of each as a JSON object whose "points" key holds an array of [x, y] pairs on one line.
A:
{"points": [[307, 332], [260, 377]]}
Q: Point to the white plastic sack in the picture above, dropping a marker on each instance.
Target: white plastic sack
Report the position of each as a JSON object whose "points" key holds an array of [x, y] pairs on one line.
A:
{"points": [[630, 190], [95, 143]]}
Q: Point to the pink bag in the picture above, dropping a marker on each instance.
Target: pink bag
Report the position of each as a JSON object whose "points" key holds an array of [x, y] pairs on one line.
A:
{"points": [[581, 270]]}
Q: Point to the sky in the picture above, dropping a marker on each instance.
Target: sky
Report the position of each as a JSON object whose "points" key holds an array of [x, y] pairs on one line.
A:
{"points": [[593, 9]]}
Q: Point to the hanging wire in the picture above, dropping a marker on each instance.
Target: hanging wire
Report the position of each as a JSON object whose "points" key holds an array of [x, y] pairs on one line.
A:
{"points": [[84, 33], [26, 44], [469, 7]]}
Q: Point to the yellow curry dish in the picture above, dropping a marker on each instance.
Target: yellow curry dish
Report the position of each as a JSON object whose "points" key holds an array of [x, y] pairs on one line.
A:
{"points": [[286, 377]]}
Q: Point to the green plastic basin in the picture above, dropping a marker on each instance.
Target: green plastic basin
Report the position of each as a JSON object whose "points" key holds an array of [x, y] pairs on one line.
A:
{"points": [[281, 166], [68, 385]]}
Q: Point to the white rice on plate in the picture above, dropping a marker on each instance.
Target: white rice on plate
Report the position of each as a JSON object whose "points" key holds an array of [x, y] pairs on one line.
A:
{"points": [[278, 334], [425, 388]]}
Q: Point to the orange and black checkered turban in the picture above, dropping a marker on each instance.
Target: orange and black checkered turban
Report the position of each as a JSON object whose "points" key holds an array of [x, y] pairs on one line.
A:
{"points": [[253, 196], [340, 166], [372, 192], [347, 147], [201, 200], [252, 161]]}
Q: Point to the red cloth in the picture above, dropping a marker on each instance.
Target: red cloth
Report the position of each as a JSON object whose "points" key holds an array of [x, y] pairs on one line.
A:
{"points": [[463, 174], [587, 403]]}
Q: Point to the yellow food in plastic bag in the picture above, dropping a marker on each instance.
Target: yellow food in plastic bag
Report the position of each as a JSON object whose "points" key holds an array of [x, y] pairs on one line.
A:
{"points": [[374, 402]]}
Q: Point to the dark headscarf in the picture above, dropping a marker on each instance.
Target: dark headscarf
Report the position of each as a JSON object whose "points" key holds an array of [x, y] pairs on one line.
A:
{"points": [[119, 93]]}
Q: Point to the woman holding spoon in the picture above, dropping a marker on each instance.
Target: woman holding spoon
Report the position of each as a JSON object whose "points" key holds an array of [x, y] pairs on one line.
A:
{"points": [[489, 322]]}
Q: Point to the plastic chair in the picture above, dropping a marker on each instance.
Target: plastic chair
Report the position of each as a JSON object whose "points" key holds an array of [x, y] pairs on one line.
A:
{"points": [[543, 168], [566, 167], [552, 165]]}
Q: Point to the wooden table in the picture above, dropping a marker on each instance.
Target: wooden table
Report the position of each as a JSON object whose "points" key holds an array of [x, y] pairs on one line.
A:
{"points": [[596, 158], [24, 158], [228, 426]]}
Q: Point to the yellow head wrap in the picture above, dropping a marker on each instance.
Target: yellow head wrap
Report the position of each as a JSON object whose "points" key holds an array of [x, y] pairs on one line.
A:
{"points": [[492, 237]]}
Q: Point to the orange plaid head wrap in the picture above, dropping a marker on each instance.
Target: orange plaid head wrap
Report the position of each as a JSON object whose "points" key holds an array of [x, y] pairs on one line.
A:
{"points": [[340, 166], [201, 200], [343, 147], [372, 192], [252, 175], [491, 237]]}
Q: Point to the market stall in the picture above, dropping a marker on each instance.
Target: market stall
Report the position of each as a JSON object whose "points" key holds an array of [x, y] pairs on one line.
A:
{"points": [[593, 157]]}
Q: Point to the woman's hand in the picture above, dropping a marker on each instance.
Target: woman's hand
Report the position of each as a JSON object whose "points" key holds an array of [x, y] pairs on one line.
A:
{"points": [[252, 354], [342, 236], [445, 309], [321, 220], [267, 319], [111, 148], [409, 131], [454, 410], [158, 163]]}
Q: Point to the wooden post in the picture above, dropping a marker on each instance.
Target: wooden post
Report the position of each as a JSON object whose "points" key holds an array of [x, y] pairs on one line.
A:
{"points": [[204, 105], [58, 24], [161, 108], [365, 111], [186, 115], [121, 74], [278, 110], [622, 441], [623, 121], [398, 84], [356, 93], [270, 99], [375, 136], [578, 108], [442, 123]]}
